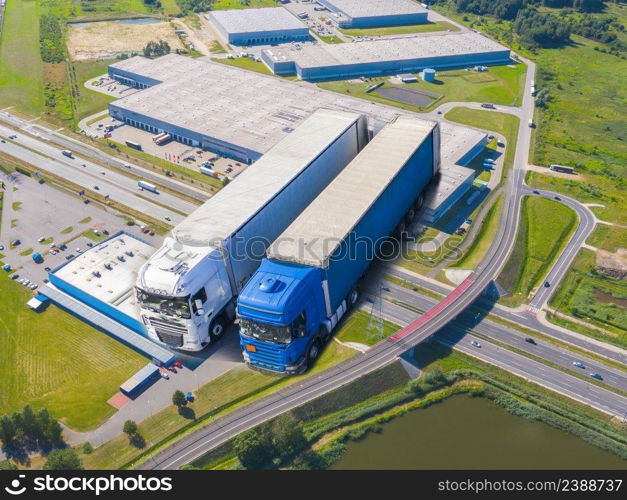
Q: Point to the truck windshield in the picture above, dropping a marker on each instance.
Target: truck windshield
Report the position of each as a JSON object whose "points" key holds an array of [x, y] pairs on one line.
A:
{"points": [[173, 306], [266, 332]]}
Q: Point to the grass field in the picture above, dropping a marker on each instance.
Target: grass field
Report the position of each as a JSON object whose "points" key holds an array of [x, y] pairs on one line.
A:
{"points": [[609, 238], [235, 388], [245, 63], [54, 360], [89, 101], [546, 226], [595, 298], [402, 30], [355, 329], [239, 4], [21, 68], [499, 85], [483, 239]]}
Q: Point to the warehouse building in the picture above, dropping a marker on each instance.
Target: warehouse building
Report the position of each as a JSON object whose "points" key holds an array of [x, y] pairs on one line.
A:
{"points": [[460, 145], [243, 114], [99, 286], [374, 13], [385, 56], [258, 26]]}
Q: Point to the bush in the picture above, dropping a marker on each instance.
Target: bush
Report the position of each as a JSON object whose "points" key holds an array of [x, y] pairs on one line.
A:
{"points": [[65, 459]]}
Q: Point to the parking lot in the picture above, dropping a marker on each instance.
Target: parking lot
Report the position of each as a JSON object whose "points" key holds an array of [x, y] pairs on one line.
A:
{"points": [[42, 217]]}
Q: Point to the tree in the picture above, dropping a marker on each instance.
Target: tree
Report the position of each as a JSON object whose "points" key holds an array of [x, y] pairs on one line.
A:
{"points": [[129, 428], [65, 459], [288, 437], [6, 465], [178, 399], [254, 448], [8, 432], [30, 424]]}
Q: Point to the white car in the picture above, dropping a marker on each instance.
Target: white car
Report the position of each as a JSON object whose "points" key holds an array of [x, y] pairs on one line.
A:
{"points": [[1, 247], [40, 239], [475, 343]]}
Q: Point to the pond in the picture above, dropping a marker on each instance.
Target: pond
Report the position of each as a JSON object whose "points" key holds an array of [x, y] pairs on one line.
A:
{"points": [[472, 433]]}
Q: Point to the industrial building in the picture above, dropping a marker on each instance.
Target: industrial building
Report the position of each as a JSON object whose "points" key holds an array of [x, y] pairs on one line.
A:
{"points": [[238, 113], [460, 145], [258, 26], [99, 286], [374, 13], [385, 56], [243, 114]]}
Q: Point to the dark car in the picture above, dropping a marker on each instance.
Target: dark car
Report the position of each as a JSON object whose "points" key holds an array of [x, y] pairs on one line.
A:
{"points": [[535, 191], [547, 284], [529, 340], [596, 376], [96, 188], [487, 105], [558, 198], [69, 257], [47, 269]]}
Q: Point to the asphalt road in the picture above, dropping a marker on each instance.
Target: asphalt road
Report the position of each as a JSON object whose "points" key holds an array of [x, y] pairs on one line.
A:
{"points": [[468, 323], [521, 318], [119, 187], [88, 152]]}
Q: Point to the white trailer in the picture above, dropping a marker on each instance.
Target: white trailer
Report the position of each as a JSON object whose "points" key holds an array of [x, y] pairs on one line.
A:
{"points": [[147, 186], [187, 289]]}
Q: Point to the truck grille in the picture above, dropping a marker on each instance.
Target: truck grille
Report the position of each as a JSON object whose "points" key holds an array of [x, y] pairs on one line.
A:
{"points": [[267, 356], [168, 333]]}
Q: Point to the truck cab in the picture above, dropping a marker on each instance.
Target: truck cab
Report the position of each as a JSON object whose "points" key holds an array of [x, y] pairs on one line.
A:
{"points": [[281, 315], [184, 296]]}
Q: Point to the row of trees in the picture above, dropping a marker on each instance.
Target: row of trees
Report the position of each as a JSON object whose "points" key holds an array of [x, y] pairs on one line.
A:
{"points": [[508, 9], [30, 430], [540, 29]]}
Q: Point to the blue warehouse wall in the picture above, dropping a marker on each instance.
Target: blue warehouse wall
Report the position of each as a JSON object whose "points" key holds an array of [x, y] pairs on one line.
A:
{"points": [[132, 79], [351, 259], [391, 20]]}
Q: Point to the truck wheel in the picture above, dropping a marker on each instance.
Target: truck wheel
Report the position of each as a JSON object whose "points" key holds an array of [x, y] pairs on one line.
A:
{"points": [[409, 216], [419, 202], [353, 297], [217, 328], [313, 352]]}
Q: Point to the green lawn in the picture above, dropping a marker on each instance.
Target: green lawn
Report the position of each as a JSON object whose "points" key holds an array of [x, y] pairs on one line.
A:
{"points": [[546, 226], [595, 298], [239, 4], [21, 69], [89, 101], [330, 39], [355, 329], [501, 123], [402, 30], [499, 85], [483, 239], [229, 391], [609, 238], [54, 360], [245, 63]]}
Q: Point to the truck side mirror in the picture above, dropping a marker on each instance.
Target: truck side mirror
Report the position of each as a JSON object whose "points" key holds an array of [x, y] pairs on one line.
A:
{"points": [[198, 305]]}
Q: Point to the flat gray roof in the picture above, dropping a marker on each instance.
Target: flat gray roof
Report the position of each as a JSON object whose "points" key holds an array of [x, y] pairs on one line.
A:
{"points": [[226, 211], [239, 107], [117, 271], [385, 49], [323, 225], [369, 8], [255, 20]]}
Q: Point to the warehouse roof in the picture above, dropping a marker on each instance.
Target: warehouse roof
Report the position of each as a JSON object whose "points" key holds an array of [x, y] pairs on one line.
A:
{"points": [[313, 237], [230, 208], [256, 20], [108, 271], [372, 8], [385, 49]]}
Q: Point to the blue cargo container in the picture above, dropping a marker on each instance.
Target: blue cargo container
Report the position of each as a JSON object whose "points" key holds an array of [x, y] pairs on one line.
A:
{"points": [[306, 284]]}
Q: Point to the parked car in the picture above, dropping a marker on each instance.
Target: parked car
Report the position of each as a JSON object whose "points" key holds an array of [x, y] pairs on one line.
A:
{"points": [[468, 221], [15, 276], [96, 188], [579, 364], [1, 247], [47, 269], [69, 257]]}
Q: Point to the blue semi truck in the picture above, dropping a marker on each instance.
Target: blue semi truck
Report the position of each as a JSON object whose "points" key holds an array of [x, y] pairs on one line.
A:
{"points": [[308, 280]]}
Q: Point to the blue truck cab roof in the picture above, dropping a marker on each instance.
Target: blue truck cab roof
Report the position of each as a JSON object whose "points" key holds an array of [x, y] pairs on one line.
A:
{"points": [[275, 293]]}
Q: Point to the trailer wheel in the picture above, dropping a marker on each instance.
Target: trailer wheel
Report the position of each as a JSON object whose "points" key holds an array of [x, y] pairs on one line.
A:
{"points": [[409, 216], [419, 202], [313, 352], [217, 328]]}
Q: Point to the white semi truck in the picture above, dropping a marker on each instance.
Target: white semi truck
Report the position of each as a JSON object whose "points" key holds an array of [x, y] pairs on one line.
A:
{"points": [[187, 289]]}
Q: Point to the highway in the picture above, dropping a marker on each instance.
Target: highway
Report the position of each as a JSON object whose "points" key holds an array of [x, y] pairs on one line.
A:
{"points": [[119, 187], [523, 319], [48, 136], [468, 324]]}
